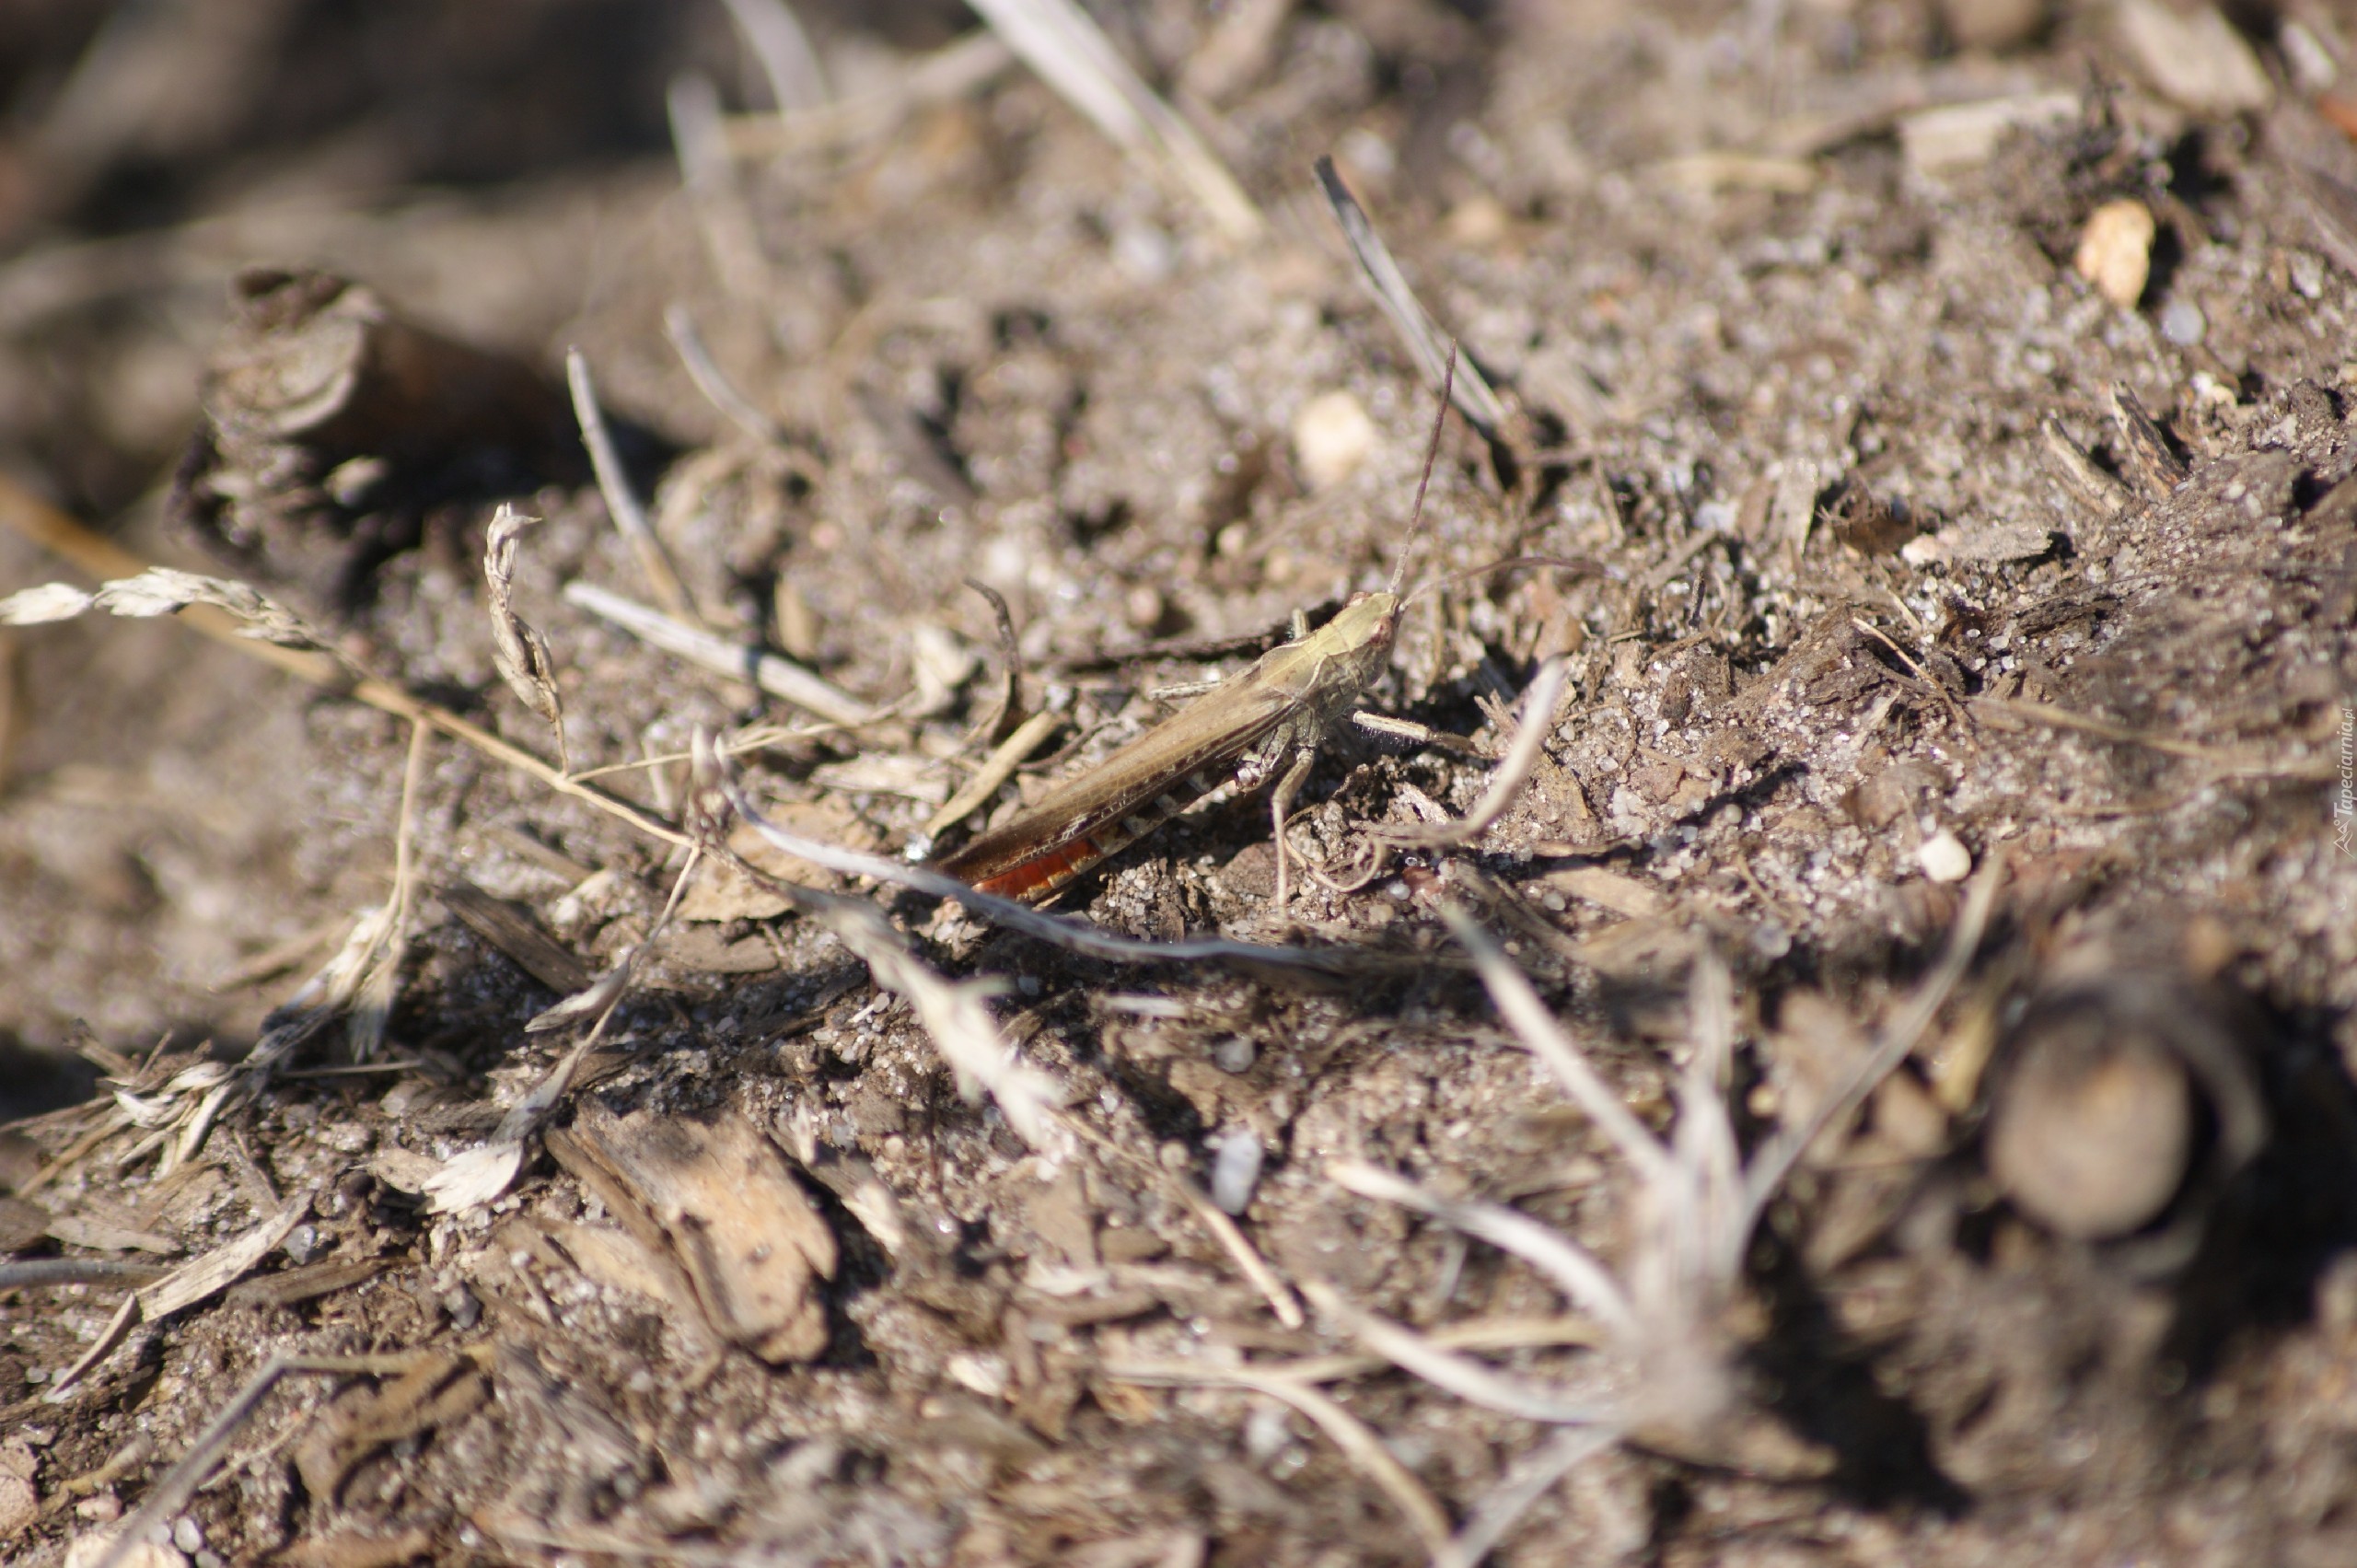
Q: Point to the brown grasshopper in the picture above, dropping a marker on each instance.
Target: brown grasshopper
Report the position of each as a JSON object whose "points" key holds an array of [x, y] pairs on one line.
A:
{"points": [[1274, 715]]}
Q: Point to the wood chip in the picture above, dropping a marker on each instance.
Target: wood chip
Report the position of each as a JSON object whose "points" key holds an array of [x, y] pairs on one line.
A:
{"points": [[1622, 895], [754, 1245], [225, 1265], [307, 1283], [511, 928]]}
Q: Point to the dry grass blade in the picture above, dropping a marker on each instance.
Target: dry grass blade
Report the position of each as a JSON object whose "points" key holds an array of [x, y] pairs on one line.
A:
{"points": [[952, 1012], [797, 82], [963, 1028], [721, 392], [999, 767], [171, 1494], [1461, 1375], [1531, 1480], [1585, 1281], [1071, 54], [1539, 705], [1522, 1008], [1771, 1164], [774, 673], [951, 72], [519, 650], [622, 502], [1349, 1434], [1430, 346]]}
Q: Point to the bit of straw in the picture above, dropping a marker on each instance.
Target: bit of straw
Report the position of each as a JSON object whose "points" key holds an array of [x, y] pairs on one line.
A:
{"points": [[774, 673], [680, 326], [1072, 55], [1431, 347], [1539, 704], [1349, 1434], [623, 503], [999, 767], [797, 82], [950, 72]]}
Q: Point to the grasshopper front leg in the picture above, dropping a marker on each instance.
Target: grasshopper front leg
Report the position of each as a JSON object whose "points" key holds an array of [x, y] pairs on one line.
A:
{"points": [[1280, 801]]}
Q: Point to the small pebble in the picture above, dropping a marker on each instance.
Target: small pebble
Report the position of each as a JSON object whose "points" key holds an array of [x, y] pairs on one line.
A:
{"points": [[1266, 1432], [2091, 1132], [302, 1245], [1331, 436], [2181, 323], [1233, 1054], [1236, 1172], [2116, 251], [1944, 857], [187, 1535]]}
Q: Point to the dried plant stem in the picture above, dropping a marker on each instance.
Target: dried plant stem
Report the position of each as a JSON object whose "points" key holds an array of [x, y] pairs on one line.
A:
{"points": [[1538, 718], [1480, 1333], [1531, 1480], [680, 326], [778, 675], [1071, 54], [44, 525], [1431, 347], [797, 82], [622, 502], [1349, 1434], [1072, 936], [180, 1483], [1772, 1163], [950, 72], [995, 771]]}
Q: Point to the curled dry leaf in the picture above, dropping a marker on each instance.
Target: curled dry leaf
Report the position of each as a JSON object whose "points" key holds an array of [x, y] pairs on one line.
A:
{"points": [[518, 648]]}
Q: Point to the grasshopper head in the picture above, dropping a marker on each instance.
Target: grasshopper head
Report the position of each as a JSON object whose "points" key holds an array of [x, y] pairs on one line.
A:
{"points": [[1366, 621]]}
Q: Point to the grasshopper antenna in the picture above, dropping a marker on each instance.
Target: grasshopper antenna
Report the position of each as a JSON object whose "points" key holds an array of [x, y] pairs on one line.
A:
{"points": [[1432, 451]]}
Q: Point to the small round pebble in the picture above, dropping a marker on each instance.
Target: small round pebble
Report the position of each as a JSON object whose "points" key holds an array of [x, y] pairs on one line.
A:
{"points": [[2181, 323], [1944, 857], [1233, 1054]]}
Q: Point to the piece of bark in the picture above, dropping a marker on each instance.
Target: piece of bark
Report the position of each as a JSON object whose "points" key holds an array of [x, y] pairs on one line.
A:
{"points": [[514, 932], [331, 428], [753, 1245]]}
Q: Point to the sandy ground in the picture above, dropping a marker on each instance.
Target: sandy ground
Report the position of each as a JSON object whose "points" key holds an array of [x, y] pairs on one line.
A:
{"points": [[1923, 435]]}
